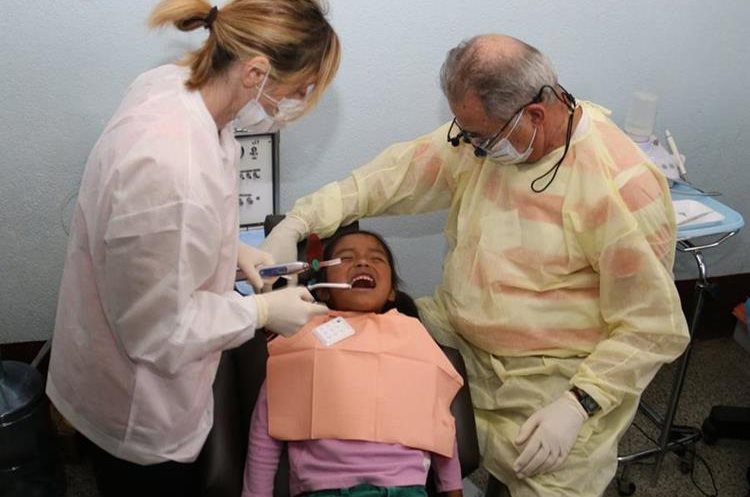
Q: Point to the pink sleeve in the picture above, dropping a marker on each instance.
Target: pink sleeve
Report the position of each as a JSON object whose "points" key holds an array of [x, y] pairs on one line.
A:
{"points": [[447, 471], [263, 452]]}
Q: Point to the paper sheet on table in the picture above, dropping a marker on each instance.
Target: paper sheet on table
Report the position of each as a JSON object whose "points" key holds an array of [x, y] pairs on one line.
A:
{"points": [[388, 383], [693, 213]]}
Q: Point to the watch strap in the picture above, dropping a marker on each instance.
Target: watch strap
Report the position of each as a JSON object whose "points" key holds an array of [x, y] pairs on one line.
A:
{"points": [[587, 401]]}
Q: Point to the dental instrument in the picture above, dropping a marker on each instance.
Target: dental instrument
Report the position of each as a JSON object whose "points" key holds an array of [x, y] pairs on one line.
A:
{"points": [[286, 269], [283, 269], [676, 154], [343, 286]]}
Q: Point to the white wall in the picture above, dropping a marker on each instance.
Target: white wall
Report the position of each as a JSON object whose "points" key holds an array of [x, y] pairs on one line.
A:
{"points": [[65, 65]]}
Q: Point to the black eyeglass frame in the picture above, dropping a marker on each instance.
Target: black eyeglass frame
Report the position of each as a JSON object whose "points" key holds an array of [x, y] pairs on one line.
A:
{"points": [[481, 149]]}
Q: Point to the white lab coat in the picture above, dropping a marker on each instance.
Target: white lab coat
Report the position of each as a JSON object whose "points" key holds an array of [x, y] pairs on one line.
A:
{"points": [[146, 302]]}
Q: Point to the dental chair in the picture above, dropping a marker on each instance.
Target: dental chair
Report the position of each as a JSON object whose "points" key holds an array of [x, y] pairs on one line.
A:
{"points": [[240, 375]]}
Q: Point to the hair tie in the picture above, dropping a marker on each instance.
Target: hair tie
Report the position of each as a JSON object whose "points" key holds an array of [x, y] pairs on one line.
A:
{"points": [[211, 17]]}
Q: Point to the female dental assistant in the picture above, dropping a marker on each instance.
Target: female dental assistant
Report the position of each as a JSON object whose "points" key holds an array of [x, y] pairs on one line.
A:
{"points": [[146, 303]]}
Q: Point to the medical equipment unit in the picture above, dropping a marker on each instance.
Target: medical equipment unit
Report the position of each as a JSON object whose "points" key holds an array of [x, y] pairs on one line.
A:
{"points": [[259, 178], [258, 192], [639, 125]]}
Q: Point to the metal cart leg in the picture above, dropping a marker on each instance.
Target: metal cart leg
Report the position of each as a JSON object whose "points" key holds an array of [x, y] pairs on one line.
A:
{"points": [[701, 288], [670, 439]]}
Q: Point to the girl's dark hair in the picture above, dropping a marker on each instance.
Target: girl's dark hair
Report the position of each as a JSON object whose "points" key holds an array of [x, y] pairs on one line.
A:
{"points": [[403, 302]]}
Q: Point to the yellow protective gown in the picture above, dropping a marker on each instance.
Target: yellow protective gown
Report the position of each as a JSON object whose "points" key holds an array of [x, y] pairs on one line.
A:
{"points": [[540, 291]]}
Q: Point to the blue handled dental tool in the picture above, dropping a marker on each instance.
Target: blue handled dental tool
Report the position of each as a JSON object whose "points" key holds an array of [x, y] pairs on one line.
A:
{"points": [[283, 269], [286, 269], [276, 270]]}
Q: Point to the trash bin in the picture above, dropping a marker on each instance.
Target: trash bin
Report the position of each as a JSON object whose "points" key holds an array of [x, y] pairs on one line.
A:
{"points": [[29, 465]]}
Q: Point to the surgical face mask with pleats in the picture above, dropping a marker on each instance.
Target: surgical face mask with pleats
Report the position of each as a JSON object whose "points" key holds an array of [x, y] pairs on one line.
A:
{"points": [[503, 150], [253, 116], [288, 109]]}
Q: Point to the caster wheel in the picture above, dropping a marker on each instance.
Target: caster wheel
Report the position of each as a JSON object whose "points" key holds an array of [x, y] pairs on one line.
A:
{"points": [[625, 488], [685, 467]]}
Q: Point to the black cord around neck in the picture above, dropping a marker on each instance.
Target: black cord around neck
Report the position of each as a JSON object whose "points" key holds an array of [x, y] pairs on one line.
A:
{"points": [[557, 165]]}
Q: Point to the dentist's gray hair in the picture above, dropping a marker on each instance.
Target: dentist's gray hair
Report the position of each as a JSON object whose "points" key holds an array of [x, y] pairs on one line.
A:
{"points": [[504, 72]]}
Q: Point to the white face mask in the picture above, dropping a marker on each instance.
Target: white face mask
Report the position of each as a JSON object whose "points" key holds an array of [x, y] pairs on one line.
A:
{"points": [[503, 150], [254, 118], [288, 109]]}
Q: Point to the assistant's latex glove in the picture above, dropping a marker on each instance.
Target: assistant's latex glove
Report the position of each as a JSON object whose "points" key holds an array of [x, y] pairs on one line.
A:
{"points": [[281, 242], [248, 260], [548, 435], [285, 311]]}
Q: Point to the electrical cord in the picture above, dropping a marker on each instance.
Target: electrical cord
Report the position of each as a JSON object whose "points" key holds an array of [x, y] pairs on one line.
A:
{"points": [[696, 456]]}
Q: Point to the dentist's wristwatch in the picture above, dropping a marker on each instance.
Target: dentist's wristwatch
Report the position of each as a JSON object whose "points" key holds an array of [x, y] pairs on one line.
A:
{"points": [[587, 401]]}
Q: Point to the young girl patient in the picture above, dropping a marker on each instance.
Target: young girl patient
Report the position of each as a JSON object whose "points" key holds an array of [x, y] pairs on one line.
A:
{"points": [[361, 396]]}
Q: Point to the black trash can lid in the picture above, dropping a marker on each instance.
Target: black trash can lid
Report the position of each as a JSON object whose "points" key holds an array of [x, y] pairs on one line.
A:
{"points": [[21, 387]]}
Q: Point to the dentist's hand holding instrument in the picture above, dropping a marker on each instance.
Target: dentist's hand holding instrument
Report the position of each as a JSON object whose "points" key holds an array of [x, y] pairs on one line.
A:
{"points": [[282, 241], [249, 259], [291, 322], [282, 311], [287, 310]]}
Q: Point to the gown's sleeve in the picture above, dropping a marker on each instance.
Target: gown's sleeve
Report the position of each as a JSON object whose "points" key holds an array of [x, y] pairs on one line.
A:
{"points": [[162, 247], [407, 178], [628, 235]]}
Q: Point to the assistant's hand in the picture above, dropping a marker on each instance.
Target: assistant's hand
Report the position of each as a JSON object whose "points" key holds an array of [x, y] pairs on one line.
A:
{"points": [[248, 260], [281, 242], [287, 310], [548, 435]]}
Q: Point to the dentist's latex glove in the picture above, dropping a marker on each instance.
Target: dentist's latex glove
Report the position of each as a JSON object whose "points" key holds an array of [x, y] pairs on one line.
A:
{"points": [[281, 242], [548, 435], [248, 259], [285, 311]]}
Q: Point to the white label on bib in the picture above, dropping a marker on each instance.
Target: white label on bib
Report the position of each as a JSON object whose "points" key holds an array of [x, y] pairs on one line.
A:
{"points": [[333, 331]]}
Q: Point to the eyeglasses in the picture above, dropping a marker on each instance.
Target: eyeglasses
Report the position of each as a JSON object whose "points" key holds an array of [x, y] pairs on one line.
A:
{"points": [[481, 146], [300, 95]]}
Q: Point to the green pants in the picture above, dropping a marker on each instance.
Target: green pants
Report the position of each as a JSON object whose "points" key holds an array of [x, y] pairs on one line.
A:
{"points": [[366, 490]]}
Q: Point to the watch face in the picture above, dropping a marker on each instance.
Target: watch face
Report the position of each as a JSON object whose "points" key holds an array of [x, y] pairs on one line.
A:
{"points": [[589, 404], [256, 169]]}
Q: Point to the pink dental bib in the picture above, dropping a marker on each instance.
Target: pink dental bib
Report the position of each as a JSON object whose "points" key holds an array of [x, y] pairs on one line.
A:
{"points": [[389, 382]]}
